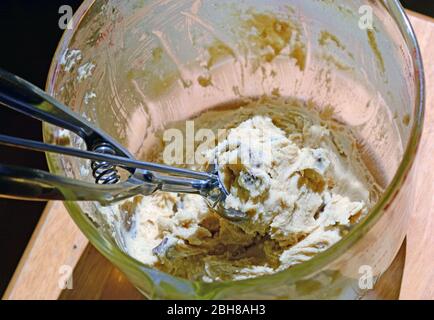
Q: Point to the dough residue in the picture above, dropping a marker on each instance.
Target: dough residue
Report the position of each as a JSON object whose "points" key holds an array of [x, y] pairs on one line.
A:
{"points": [[297, 177]]}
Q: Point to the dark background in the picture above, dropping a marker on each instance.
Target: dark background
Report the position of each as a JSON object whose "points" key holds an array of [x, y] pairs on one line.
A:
{"points": [[29, 34]]}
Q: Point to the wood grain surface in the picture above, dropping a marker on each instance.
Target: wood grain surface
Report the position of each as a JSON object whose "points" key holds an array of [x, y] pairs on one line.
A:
{"points": [[57, 244], [418, 280]]}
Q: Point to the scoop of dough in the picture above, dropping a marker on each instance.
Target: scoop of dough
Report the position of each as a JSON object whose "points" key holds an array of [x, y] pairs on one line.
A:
{"points": [[283, 188]]}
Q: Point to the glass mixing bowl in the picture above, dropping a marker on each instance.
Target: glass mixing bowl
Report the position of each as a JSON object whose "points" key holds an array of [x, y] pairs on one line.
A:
{"points": [[134, 67]]}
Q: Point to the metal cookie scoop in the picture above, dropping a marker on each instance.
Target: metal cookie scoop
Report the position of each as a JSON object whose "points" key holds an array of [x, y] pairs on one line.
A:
{"points": [[106, 155]]}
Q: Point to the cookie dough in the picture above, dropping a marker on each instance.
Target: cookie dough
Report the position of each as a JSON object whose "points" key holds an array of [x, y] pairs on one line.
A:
{"points": [[297, 176]]}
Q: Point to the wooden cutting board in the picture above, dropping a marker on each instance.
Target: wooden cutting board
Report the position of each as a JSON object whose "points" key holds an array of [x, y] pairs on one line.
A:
{"points": [[57, 245]]}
